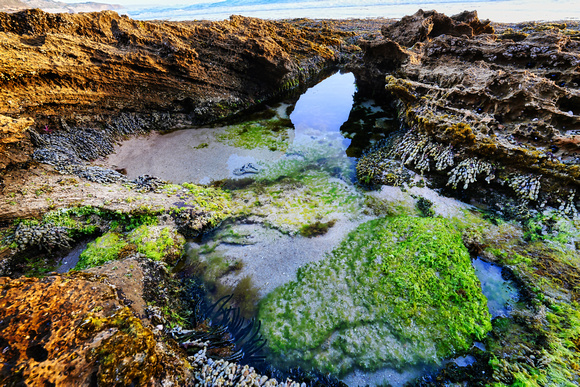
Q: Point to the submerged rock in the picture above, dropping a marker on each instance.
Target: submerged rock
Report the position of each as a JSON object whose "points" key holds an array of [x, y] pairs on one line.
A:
{"points": [[397, 292]]}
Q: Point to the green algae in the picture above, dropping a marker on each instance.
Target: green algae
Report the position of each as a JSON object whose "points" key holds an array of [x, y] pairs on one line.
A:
{"points": [[270, 134], [398, 291], [154, 242], [104, 249], [157, 243], [288, 204], [215, 203], [540, 344]]}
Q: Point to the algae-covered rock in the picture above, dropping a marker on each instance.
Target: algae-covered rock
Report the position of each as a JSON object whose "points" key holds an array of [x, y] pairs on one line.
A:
{"points": [[158, 242], [154, 242], [398, 291], [74, 330], [102, 250]]}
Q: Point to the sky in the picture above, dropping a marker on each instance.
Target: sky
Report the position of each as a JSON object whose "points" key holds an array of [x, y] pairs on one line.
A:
{"points": [[496, 10]]}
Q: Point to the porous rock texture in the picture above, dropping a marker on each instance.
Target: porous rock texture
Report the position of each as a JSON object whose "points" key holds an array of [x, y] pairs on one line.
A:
{"points": [[513, 104], [80, 329]]}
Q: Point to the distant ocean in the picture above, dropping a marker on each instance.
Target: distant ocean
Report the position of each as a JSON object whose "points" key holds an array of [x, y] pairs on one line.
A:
{"points": [[498, 10]]}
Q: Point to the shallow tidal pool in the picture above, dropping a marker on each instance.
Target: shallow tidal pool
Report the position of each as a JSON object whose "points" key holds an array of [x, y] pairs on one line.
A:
{"points": [[334, 265]]}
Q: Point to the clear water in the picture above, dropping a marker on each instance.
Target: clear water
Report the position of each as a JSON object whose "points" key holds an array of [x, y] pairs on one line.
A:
{"points": [[202, 156], [501, 294], [326, 128]]}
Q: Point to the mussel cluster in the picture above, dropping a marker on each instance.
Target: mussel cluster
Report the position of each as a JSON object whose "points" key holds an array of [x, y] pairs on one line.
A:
{"points": [[147, 183], [47, 237]]}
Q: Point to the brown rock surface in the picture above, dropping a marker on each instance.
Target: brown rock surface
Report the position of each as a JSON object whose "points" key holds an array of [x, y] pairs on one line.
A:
{"points": [[75, 330], [426, 25], [509, 103], [72, 64], [15, 146]]}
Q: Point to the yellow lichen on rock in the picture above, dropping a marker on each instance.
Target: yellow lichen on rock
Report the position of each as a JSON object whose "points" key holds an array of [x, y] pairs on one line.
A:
{"points": [[68, 330], [14, 145]]}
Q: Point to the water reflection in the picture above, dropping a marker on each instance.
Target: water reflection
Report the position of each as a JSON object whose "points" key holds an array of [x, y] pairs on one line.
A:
{"points": [[322, 109]]}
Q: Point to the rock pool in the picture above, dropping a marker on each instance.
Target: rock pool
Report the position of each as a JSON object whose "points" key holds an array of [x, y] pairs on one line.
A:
{"points": [[290, 171]]}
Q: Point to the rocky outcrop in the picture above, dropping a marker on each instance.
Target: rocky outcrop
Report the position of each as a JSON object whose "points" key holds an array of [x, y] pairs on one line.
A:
{"points": [[426, 25], [493, 109], [61, 65], [15, 145], [79, 330]]}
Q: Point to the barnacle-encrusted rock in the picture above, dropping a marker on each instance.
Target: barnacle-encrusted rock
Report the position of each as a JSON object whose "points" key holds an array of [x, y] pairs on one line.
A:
{"points": [[527, 187], [210, 372], [468, 170], [376, 167], [418, 149], [510, 103]]}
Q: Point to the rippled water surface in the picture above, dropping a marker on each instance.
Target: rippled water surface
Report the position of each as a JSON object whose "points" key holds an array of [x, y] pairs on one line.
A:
{"points": [[501, 294]]}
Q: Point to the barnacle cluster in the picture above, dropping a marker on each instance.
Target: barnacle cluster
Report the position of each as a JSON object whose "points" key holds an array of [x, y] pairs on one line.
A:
{"points": [[47, 237], [567, 206], [378, 168], [526, 186], [419, 149], [468, 170], [209, 372]]}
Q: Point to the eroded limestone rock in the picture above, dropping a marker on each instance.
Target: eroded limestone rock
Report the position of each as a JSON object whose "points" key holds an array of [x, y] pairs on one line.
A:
{"points": [[510, 104]]}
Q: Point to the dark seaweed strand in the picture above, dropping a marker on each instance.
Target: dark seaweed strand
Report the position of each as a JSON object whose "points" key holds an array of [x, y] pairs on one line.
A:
{"points": [[227, 329]]}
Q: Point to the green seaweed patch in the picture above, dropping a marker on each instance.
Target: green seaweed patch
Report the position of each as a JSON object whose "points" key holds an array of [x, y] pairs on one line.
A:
{"points": [[271, 134], [104, 249], [537, 349], [540, 346], [158, 243], [397, 291], [288, 204], [201, 208]]}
